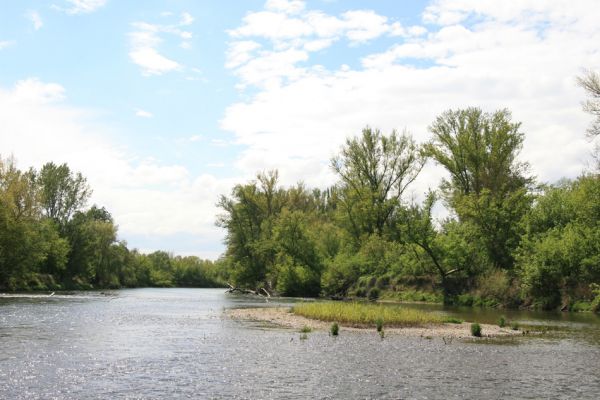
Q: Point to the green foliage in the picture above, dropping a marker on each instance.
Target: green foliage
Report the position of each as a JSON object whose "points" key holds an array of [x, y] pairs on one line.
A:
{"points": [[488, 186], [595, 305], [379, 324], [514, 326], [306, 329], [335, 329], [453, 320], [476, 330], [373, 294], [48, 241], [502, 321]]}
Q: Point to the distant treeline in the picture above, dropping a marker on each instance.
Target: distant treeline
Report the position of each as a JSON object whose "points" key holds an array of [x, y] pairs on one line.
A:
{"points": [[508, 241], [49, 240]]}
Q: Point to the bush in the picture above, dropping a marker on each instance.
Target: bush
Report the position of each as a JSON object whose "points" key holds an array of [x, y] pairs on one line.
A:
{"points": [[476, 329], [379, 324], [335, 329], [373, 294], [502, 322]]}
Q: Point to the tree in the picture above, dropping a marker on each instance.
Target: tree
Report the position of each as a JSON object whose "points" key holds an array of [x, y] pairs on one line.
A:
{"points": [[375, 170], [63, 192], [590, 81], [249, 216], [488, 186]]}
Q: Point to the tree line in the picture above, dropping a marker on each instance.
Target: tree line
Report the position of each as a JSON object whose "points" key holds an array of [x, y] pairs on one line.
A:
{"points": [[508, 240], [50, 240]]}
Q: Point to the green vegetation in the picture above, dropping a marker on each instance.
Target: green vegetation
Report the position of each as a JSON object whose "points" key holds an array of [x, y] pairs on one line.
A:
{"points": [[502, 322], [49, 240], [514, 326], [508, 242], [453, 320], [476, 330], [379, 324], [360, 314], [335, 329], [306, 329]]}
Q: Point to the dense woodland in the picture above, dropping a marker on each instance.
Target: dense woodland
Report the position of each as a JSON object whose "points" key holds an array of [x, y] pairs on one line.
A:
{"points": [[508, 240], [49, 240]]}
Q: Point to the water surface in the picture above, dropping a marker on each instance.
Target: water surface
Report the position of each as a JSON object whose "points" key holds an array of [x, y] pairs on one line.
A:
{"points": [[174, 343]]}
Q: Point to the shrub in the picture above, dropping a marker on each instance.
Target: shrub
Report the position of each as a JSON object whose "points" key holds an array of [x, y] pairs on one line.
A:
{"points": [[379, 324], [502, 322], [373, 294], [476, 329], [335, 329]]}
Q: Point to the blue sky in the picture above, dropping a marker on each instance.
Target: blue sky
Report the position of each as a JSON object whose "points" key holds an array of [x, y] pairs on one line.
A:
{"points": [[164, 105]]}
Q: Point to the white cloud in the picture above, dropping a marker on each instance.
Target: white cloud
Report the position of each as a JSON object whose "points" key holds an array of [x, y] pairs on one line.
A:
{"points": [[75, 7], [143, 113], [293, 33], [147, 198], [186, 19], [6, 43], [286, 6], [523, 56], [145, 40], [35, 19]]}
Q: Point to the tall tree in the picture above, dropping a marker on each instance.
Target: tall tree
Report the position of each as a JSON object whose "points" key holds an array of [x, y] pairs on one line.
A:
{"points": [[488, 186], [590, 81], [375, 170], [63, 192]]}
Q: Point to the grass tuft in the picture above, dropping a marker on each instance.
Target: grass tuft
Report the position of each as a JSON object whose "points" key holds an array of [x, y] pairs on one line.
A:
{"points": [[502, 322], [476, 329], [306, 329], [335, 329]]}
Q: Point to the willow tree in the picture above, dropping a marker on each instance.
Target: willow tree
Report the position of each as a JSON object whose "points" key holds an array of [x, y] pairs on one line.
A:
{"points": [[488, 186], [375, 170]]}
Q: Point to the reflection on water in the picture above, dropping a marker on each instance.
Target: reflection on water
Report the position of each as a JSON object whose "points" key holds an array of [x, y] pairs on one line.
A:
{"points": [[174, 343]]}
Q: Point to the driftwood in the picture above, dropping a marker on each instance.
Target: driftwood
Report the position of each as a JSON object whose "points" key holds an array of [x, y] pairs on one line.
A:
{"points": [[235, 289]]}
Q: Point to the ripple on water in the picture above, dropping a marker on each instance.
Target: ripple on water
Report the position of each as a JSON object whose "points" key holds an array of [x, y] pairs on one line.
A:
{"points": [[155, 343]]}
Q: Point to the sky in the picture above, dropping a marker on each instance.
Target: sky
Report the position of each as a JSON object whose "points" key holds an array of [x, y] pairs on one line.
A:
{"points": [[164, 105]]}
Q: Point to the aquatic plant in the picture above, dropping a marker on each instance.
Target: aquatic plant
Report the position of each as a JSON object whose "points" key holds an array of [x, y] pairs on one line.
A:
{"points": [[335, 329], [502, 322], [476, 329]]}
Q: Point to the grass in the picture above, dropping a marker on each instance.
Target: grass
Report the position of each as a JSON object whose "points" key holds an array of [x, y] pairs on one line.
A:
{"points": [[306, 329], [359, 314], [453, 320], [335, 329], [476, 330], [502, 322]]}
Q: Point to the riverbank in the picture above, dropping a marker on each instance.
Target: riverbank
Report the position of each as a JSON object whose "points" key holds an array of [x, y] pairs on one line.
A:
{"points": [[283, 316]]}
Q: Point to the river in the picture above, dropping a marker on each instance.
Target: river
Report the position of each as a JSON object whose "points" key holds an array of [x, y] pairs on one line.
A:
{"points": [[175, 343]]}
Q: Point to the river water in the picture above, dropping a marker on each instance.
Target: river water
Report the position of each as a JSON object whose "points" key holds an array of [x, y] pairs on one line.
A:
{"points": [[175, 343]]}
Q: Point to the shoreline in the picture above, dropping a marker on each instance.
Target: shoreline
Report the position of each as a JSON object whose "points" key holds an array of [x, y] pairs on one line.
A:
{"points": [[283, 317]]}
